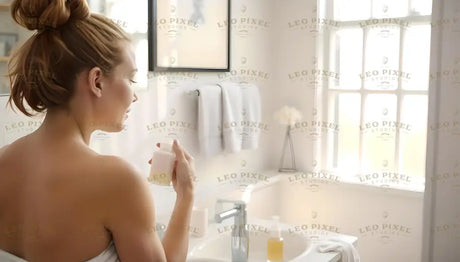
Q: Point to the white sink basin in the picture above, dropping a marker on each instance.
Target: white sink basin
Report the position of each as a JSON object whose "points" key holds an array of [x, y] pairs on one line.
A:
{"points": [[218, 248]]}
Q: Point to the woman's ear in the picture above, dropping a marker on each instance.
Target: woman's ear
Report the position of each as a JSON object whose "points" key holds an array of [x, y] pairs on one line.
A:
{"points": [[95, 76]]}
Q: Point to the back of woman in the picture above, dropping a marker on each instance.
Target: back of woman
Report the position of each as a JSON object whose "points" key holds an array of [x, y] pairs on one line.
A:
{"points": [[47, 209], [59, 200]]}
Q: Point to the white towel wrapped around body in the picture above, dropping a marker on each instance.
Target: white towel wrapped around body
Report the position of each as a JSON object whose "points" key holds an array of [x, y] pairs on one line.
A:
{"points": [[108, 255]]}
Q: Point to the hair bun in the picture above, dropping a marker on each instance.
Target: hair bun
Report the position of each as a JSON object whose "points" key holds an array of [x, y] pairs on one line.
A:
{"points": [[41, 14]]}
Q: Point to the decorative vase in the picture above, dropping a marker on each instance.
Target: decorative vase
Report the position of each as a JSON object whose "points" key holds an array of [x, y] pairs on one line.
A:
{"points": [[288, 140]]}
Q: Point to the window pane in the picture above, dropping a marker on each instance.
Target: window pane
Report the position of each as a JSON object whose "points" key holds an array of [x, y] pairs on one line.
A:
{"points": [[126, 13], [416, 57], [378, 132], [142, 64], [349, 46], [421, 7], [378, 136], [4, 81], [389, 8], [382, 58], [352, 10], [348, 117], [413, 139]]}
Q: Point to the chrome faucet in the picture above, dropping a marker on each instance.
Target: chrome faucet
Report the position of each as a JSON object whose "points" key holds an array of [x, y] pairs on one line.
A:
{"points": [[240, 236], [160, 229]]}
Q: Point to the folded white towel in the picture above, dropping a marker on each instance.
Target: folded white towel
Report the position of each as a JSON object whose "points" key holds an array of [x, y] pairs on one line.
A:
{"points": [[210, 119], [347, 250], [251, 116], [231, 116]]}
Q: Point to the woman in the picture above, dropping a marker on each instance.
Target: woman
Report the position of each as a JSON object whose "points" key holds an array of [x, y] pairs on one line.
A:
{"points": [[59, 200]]}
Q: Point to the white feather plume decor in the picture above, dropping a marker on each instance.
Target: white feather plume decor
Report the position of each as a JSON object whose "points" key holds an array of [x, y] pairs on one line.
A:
{"points": [[287, 115]]}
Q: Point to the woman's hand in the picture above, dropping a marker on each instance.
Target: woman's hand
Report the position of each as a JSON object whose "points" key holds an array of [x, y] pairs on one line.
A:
{"points": [[176, 239], [184, 171]]}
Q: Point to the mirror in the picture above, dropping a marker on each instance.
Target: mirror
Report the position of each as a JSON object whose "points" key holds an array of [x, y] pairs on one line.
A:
{"points": [[189, 35]]}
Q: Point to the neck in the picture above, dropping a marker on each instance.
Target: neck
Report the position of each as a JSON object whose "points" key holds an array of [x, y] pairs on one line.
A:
{"points": [[61, 125]]}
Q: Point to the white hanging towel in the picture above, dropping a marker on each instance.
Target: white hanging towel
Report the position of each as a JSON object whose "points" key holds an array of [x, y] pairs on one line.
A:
{"points": [[251, 116], [231, 116], [210, 119]]}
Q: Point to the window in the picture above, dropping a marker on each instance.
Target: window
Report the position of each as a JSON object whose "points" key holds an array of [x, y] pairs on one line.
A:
{"points": [[126, 14], [380, 50]]}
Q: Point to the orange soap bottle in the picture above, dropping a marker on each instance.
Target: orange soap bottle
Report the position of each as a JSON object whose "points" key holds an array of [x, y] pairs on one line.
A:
{"points": [[275, 242]]}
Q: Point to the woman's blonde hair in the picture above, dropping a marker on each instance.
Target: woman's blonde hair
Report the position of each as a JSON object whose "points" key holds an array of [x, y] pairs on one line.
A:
{"points": [[69, 39]]}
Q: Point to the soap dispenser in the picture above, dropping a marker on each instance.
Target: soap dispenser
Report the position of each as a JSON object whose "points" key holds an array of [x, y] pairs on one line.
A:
{"points": [[162, 165], [275, 242]]}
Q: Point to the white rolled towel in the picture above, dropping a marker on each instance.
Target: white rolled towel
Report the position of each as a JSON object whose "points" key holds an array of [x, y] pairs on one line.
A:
{"points": [[348, 251]]}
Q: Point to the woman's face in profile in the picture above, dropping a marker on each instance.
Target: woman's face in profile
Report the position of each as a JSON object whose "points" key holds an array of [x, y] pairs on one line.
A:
{"points": [[119, 93]]}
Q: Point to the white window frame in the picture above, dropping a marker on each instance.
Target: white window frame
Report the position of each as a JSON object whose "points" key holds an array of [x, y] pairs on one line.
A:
{"points": [[328, 162]]}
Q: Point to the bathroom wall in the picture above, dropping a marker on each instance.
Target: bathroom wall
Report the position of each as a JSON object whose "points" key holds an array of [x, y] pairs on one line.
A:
{"points": [[266, 49]]}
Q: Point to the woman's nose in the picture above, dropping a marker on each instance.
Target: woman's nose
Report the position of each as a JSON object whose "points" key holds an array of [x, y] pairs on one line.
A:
{"points": [[134, 97]]}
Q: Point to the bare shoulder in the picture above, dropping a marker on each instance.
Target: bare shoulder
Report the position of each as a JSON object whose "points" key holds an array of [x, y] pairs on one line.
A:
{"points": [[116, 166], [129, 212], [4, 158], [123, 184], [117, 173], [3, 149]]}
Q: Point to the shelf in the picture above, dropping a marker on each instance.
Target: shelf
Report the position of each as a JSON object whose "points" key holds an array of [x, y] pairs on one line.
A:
{"points": [[5, 6], [4, 58]]}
